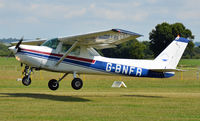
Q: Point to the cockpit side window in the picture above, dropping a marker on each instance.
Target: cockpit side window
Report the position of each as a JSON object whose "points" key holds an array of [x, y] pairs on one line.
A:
{"points": [[52, 43], [65, 47], [75, 51]]}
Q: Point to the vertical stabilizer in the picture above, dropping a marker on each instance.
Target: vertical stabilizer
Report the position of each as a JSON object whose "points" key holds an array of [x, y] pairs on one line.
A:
{"points": [[169, 58]]}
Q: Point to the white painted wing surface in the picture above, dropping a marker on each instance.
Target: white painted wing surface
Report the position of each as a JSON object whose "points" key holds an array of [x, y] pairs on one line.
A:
{"points": [[30, 42], [101, 40]]}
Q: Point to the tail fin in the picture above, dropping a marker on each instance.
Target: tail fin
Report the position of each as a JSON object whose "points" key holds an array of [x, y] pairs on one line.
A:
{"points": [[169, 58]]}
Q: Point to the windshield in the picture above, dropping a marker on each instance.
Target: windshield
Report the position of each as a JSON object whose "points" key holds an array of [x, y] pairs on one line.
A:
{"points": [[52, 43]]}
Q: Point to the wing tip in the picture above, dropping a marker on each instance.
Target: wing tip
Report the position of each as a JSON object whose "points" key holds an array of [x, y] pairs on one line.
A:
{"points": [[126, 32]]}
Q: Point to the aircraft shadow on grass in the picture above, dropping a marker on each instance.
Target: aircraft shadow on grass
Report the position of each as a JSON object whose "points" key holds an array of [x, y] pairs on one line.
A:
{"points": [[46, 96], [145, 96]]}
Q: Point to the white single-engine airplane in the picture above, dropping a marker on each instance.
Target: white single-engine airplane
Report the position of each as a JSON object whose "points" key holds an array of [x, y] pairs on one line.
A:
{"points": [[76, 55]]}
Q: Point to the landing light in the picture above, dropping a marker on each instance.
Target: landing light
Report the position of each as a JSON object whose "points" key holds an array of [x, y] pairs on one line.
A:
{"points": [[17, 58]]}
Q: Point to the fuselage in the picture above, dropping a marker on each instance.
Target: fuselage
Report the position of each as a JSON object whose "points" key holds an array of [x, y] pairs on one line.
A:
{"points": [[45, 58]]}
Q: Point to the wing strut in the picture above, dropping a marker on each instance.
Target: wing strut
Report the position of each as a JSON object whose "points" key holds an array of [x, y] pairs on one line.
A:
{"points": [[67, 53]]}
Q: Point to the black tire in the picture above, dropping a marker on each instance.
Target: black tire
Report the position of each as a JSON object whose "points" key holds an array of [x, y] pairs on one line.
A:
{"points": [[53, 84], [26, 81], [77, 83]]}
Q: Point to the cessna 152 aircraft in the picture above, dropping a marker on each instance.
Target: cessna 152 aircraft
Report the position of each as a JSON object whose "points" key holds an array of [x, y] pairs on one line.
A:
{"points": [[76, 55]]}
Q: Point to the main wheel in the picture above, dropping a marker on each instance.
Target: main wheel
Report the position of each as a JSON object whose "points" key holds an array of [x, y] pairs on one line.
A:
{"points": [[77, 83], [26, 81], [53, 84]]}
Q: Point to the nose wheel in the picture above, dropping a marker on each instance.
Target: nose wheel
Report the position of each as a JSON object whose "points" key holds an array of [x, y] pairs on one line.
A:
{"points": [[26, 80]]}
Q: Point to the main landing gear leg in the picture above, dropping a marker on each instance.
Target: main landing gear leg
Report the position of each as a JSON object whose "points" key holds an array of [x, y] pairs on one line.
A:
{"points": [[26, 80], [76, 83], [54, 84]]}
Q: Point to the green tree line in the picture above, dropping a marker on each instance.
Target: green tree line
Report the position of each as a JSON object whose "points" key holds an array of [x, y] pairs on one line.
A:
{"points": [[159, 38], [4, 50]]}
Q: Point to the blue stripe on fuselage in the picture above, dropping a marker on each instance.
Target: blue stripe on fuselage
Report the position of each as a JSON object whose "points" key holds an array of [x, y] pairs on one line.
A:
{"points": [[106, 66]]}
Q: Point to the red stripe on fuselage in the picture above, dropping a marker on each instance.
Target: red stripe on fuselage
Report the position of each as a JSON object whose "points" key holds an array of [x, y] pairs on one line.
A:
{"points": [[60, 55]]}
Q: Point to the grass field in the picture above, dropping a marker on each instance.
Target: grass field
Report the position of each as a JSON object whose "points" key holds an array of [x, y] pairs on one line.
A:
{"points": [[176, 98], [190, 62]]}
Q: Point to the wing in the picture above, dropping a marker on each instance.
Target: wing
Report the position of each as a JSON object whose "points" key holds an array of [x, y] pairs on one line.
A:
{"points": [[30, 42], [101, 40]]}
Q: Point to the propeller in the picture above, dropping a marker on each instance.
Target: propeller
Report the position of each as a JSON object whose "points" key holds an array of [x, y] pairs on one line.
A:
{"points": [[18, 44], [16, 48]]}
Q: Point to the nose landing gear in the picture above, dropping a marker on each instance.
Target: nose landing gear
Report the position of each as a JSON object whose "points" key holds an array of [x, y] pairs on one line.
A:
{"points": [[26, 80]]}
